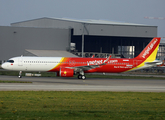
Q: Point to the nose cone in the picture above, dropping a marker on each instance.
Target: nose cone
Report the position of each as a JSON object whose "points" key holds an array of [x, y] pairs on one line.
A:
{"points": [[3, 65]]}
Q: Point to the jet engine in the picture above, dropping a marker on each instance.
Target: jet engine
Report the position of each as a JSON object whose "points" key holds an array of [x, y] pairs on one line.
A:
{"points": [[65, 72]]}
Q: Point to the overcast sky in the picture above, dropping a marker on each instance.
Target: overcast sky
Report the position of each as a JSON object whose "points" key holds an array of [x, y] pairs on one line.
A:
{"points": [[131, 11]]}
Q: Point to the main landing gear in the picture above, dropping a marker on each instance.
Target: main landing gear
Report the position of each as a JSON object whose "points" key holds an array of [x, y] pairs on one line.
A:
{"points": [[81, 76], [20, 74]]}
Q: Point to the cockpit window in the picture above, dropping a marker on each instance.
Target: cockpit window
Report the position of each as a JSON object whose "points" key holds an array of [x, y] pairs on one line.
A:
{"points": [[10, 61]]}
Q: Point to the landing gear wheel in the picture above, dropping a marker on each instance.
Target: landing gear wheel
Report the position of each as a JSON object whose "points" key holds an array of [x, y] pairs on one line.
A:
{"points": [[83, 77], [79, 76], [20, 76]]}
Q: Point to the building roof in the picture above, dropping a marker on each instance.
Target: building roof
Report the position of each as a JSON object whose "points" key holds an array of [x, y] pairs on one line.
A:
{"points": [[91, 21], [87, 21], [92, 27]]}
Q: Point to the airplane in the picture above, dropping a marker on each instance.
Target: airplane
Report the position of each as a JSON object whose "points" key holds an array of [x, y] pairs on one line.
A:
{"points": [[70, 66]]}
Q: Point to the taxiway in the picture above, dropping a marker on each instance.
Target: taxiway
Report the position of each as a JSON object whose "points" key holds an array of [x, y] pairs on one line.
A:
{"points": [[74, 84]]}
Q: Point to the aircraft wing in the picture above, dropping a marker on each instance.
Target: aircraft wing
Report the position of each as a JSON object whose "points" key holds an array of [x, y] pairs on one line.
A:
{"points": [[89, 67], [84, 68]]}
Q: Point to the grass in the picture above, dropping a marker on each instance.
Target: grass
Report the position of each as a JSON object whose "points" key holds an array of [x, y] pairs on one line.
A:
{"points": [[122, 77], [16, 73], [40, 105], [2, 81]]}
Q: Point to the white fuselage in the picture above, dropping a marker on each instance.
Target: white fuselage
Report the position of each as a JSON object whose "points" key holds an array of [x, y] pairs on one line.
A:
{"points": [[32, 63]]}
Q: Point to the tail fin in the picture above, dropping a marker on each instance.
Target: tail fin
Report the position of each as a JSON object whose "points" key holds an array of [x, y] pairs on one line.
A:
{"points": [[150, 51]]}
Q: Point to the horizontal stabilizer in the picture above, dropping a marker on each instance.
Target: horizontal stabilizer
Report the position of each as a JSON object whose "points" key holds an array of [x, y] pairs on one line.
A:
{"points": [[155, 62]]}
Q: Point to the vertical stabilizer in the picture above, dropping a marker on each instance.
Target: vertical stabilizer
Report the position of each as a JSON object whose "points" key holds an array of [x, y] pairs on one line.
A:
{"points": [[150, 51]]}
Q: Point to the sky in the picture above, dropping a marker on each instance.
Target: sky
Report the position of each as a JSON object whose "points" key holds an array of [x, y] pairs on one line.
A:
{"points": [[129, 11]]}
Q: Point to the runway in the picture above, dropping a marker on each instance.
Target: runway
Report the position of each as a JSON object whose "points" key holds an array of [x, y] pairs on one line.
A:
{"points": [[74, 84]]}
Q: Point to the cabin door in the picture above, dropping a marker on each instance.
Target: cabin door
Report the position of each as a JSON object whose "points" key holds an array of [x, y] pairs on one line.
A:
{"points": [[20, 61]]}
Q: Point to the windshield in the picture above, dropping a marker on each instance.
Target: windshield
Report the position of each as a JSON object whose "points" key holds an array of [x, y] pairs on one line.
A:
{"points": [[10, 61]]}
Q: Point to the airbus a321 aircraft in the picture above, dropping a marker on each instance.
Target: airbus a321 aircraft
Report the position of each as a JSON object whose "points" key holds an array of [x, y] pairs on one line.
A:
{"points": [[69, 66]]}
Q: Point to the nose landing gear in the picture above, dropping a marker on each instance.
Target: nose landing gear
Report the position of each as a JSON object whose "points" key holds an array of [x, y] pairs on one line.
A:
{"points": [[20, 74]]}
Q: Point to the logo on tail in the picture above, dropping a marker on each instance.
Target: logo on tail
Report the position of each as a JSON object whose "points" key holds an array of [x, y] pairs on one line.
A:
{"points": [[149, 48]]}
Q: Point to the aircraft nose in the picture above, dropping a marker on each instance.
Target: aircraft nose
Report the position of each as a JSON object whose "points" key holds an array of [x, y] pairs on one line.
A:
{"points": [[3, 65]]}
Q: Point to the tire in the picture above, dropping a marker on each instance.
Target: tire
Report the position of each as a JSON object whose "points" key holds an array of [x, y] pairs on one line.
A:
{"points": [[83, 77], [79, 76], [20, 76]]}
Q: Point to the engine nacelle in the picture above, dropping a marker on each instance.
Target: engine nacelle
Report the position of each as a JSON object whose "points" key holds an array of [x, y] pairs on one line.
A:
{"points": [[65, 72]]}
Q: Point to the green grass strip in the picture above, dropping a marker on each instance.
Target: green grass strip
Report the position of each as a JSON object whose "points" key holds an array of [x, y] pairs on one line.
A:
{"points": [[6, 81], [123, 77], [66, 105]]}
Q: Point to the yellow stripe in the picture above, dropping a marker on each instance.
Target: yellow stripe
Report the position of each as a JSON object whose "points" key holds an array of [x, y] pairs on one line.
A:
{"points": [[60, 61], [151, 58]]}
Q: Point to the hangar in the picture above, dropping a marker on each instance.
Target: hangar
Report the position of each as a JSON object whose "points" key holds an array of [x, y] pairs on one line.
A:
{"points": [[80, 37]]}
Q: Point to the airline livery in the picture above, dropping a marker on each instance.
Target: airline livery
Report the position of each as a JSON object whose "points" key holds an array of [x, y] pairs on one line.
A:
{"points": [[69, 66]]}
